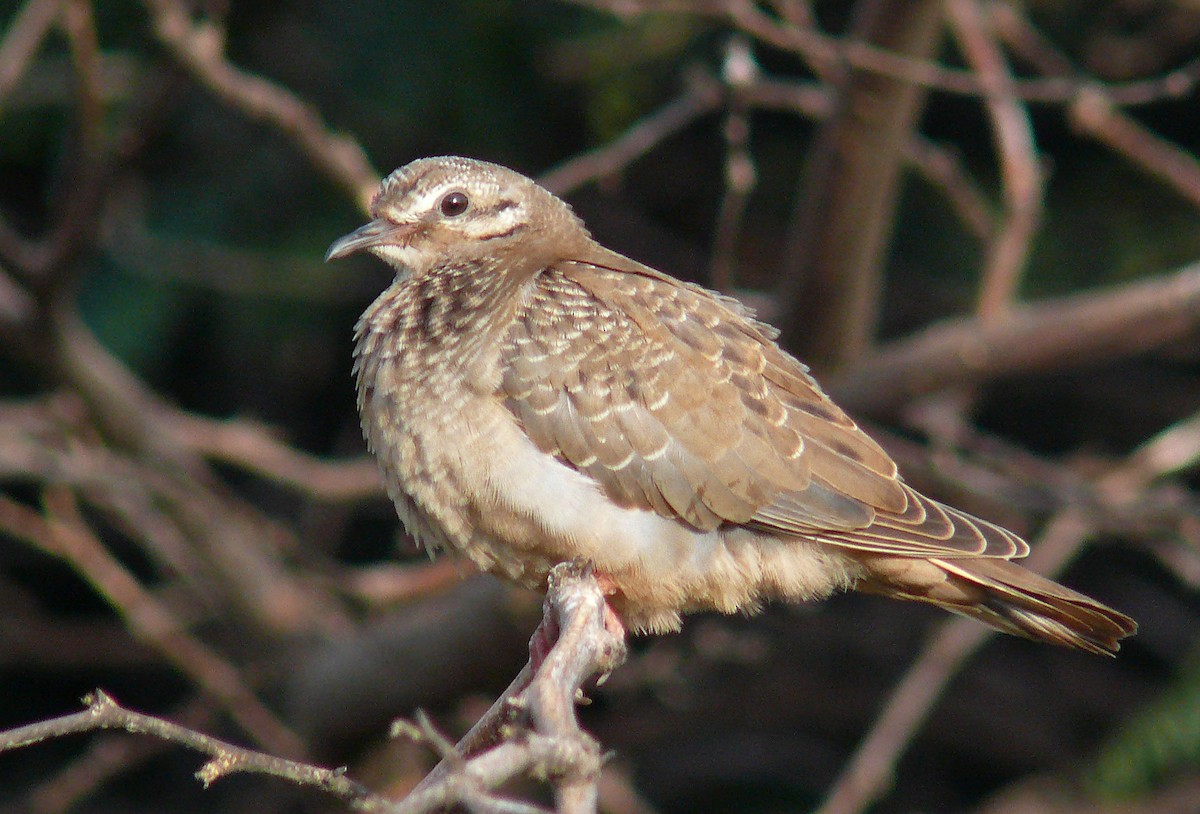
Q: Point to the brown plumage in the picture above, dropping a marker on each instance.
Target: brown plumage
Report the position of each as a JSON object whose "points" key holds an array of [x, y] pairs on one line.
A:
{"points": [[533, 397]]}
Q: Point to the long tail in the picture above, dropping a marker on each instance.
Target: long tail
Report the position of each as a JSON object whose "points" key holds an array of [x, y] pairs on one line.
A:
{"points": [[1015, 600]]}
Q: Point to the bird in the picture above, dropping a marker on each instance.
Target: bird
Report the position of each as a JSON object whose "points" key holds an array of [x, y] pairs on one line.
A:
{"points": [[534, 398]]}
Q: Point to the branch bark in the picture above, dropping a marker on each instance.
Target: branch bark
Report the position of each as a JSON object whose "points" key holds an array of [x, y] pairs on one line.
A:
{"points": [[1049, 335], [831, 279]]}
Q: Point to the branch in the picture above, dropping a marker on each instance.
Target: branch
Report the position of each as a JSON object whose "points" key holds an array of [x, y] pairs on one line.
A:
{"points": [[145, 617], [26, 30], [104, 713], [867, 775], [821, 50], [1094, 114], [831, 275], [1021, 174], [199, 48], [253, 448], [1050, 335], [941, 166], [540, 738], [702, 95], [544, 696]]}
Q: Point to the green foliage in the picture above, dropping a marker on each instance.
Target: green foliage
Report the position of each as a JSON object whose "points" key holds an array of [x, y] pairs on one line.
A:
{"points": [[1162, 741]]}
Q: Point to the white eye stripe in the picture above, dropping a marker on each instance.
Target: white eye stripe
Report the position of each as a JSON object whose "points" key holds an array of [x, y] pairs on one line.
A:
{"points": [[497, 223]]}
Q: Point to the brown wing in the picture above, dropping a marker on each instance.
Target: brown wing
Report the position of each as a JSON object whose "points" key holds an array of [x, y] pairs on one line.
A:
{"points": [[674, 399]]}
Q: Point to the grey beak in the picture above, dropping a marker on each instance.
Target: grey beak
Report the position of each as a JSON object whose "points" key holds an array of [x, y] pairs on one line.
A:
{"points": [[375, 233]]}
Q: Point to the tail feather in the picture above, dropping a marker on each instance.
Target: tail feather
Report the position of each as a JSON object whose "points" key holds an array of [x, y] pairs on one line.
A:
{"points": [[1021, 602], [1003, 595]]}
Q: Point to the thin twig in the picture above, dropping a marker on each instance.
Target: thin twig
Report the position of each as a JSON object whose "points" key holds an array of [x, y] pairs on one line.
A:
{"points": [[105, 759], [104, 713], [702, 95]]}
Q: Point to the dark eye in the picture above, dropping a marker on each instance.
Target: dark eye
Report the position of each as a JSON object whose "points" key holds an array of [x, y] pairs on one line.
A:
{"points": [[454, 204]]}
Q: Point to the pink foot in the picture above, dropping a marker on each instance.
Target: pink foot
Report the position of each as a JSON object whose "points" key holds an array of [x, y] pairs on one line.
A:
{"points": [[612, 622]]}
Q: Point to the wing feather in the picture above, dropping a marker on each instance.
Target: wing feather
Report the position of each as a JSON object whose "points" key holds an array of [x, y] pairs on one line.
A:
{"points": [[676, 400]]}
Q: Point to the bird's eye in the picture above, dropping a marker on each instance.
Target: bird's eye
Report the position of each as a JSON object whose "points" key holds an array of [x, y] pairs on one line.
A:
{"points": [[454, 204]]}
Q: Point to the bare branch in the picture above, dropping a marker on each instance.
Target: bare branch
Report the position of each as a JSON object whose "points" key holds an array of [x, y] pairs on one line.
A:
{"points": [[145, 617], [1020, 170], [1052, 334], [830, 280], [1094, 113], [105, 759], [104, 713], [543, 739], [939, 165], [702, 95], [199, 47], [26, 30], [545, 695], [252, 447], [868, 774], [822, 51], [739, 71]]}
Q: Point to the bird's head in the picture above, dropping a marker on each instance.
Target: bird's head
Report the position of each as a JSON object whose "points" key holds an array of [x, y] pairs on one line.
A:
{"points": [[450, 211]]}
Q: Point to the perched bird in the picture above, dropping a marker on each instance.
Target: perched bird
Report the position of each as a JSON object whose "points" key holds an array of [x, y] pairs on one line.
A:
{"points": [[533, 397]]}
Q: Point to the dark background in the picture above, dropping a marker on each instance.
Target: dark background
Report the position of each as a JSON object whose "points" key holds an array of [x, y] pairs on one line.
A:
{"points": [[188, 236]]}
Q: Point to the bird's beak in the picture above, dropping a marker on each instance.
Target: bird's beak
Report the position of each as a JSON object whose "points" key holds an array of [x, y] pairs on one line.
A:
{"points": [[378, 232]]}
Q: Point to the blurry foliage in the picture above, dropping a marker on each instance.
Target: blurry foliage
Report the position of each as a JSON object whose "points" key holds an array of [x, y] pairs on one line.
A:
{"points": [[1160, 743]]}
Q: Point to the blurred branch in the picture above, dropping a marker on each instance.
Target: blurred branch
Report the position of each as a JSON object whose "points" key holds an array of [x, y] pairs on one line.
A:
{"points": [[868, 774], [1020, 172], [831, 276], [940, 165], [702, 95], [232, 537], [199, 47], [823, 51], [44, 266], [1094, 113], [1048, 335], [253, 448], [1093, 110], [25, 32], [67, 537], [739, 71]]}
